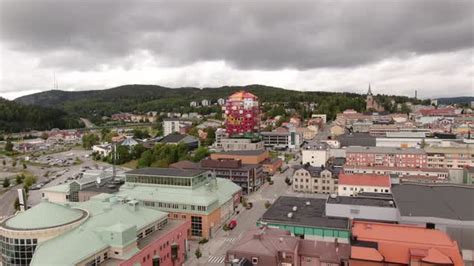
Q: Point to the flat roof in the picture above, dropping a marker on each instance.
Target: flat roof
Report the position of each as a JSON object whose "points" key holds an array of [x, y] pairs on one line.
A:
{"points": [[362, 201], [446, 201], [172, 172], [384, 150], [312, 215], [244, 153], [365, 180]]}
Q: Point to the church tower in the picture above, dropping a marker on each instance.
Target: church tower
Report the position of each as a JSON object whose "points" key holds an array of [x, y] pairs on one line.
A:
{"points": [[371, 104]]}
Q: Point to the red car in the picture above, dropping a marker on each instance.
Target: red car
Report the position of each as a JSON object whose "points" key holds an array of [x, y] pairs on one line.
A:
{"points": [[232, 224]]}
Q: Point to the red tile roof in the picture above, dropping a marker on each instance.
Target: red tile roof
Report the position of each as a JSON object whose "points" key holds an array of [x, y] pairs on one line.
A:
{"points": [[365, 180], [400, 243]]}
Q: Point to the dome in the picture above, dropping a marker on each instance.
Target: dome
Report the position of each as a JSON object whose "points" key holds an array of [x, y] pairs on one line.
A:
{"points": [[45, 215]]}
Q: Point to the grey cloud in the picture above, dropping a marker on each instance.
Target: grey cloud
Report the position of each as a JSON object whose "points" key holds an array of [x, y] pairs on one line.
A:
{"points": [[248, 34]]}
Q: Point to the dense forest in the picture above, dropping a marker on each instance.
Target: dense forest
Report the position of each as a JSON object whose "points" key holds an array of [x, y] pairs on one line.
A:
{"points": [[15, 117], [143, 98]]}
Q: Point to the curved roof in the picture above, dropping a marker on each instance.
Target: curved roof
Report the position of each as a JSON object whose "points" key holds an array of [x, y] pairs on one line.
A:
{"points": [[45, 215]]}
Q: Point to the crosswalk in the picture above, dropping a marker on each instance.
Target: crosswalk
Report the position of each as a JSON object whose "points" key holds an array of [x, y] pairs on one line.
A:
{"points": [[233, 239], [216, 259]]}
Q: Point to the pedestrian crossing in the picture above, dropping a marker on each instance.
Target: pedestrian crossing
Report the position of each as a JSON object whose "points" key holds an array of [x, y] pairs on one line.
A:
{"points": [[233, 239], [216, 259]]}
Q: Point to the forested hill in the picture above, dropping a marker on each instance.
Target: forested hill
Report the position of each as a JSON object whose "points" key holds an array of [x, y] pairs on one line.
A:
{"points": [[143, 98], [15, 117]]}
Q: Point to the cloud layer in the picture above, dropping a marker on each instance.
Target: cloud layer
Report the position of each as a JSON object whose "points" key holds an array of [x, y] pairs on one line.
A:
{"points": [[323, 45]]}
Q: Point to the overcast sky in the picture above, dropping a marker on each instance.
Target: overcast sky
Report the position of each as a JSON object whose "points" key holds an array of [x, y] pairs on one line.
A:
{"points": [[397, 46]]}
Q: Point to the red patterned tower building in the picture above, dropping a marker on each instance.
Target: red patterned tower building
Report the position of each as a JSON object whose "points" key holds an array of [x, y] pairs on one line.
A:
{"points": [[242, 113]]}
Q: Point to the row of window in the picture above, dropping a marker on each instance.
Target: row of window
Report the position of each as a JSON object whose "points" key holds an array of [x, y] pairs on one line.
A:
{"points": [[16, 251], [174, 206]]}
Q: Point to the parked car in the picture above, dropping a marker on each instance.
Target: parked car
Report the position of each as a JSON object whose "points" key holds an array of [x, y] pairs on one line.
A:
{"points": [[232, 224]]}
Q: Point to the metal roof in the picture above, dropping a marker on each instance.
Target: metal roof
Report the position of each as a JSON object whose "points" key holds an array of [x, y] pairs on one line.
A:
{"points": [[435, 200], [312, 215]]}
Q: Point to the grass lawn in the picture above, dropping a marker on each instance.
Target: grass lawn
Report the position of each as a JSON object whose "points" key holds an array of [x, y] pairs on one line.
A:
{"points": [[132, 164]]}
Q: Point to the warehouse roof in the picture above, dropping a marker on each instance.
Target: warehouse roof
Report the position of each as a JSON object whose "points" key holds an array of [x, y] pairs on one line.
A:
{"points": [[434, 200], [306, 215]]}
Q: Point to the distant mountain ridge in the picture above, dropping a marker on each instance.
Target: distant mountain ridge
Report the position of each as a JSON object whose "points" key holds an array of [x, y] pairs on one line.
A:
{"points": [[456, 100]]}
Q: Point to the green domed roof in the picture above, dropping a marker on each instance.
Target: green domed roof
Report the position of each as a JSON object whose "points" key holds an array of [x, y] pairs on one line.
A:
{"points": [[44, 215]]}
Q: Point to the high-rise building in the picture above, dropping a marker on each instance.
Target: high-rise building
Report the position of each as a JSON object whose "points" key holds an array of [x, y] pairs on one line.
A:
{"points": [[242, 113]]}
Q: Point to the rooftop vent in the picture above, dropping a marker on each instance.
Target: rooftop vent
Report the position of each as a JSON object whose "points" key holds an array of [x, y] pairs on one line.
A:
{"points": [[290, 215], [295, 208], [333, 196], [308, 203], [391, 203]]}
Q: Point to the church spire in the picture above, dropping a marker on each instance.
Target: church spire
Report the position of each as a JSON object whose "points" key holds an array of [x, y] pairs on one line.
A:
{"points": [[370, 91]]}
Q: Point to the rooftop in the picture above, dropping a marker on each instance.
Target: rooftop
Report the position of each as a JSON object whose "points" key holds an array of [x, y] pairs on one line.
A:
{"points": [[203, 195], [365, 180], [241, 153], [44, 215], [171, 172], [434, 200], [358, 149], [316, 171], [397, 243], [362, 201], [357, 139], [306, 215], [107, 217]]}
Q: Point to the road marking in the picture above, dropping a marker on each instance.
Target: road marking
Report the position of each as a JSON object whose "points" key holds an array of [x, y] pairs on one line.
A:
{"points": [[232, 239], [215, 259]]}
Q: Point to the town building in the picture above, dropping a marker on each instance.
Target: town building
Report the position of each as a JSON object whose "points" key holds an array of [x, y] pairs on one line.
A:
{"points": [[445, 207], [364, 206], [270, 166], [437, 174], [316, 154], [190, 195], [375, 243], [242, 113], [221, 101], [205, 102], [105, 229], [170, 125], [282, 140], [248, 176], [351, 185], [239, 144], [356, 139], [384, 156], [311, 179], [306, 218], [272, 246], [371, 103], [102, 149], [450, 155], [176, 138]]}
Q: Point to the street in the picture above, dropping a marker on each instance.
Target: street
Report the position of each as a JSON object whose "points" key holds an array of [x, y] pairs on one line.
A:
{"points": [[213, 252]]}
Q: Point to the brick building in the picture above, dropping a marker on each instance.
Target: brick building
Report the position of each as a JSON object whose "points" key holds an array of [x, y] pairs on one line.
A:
{"points": [[386, 156]]}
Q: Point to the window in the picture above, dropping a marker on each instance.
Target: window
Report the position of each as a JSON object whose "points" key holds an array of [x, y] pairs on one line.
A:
{"points": [[196, 226]]}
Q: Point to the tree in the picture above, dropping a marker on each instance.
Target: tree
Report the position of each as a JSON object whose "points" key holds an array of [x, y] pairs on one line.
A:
{"points": [[138, 150], [16, 204], [24, 166], [198, 253], [14, 163], [405, 109], [4, 162], [146, 159], [29, 181], [140, 134], [9, 146], [103, 133], [19, 179], [123, 154], [44, 135], [200, 153], [89, 140], [6, 182]]}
